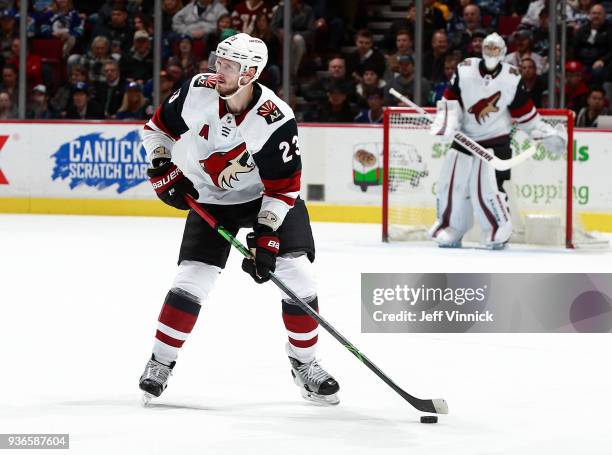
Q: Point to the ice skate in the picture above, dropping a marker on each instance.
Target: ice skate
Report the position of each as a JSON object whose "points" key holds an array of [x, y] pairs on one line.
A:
{"points": [[497, 246], [456, 244], [154, 379], [315, 384]]}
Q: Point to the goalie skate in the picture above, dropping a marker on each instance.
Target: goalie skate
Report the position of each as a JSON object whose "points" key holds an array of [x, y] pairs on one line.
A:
{"points": [[315, 384], [154, 379]]}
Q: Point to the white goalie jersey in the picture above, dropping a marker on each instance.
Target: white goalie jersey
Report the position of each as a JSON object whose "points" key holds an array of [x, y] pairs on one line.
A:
{"points": [[232, 159], [490, 101]]}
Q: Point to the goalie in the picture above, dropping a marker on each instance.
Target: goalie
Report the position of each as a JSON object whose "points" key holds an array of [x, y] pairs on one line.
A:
{"points": [[483, 99]]}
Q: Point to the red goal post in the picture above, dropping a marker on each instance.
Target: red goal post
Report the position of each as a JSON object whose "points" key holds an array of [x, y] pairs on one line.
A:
{"points": [[411, 158]]}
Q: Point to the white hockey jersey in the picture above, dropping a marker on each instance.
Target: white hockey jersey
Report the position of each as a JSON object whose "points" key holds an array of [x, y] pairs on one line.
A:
{"points": [[490, 101], [232, 158]]}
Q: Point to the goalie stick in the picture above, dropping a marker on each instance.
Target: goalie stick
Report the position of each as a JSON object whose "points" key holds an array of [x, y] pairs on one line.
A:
{"points": [[437, 406], [476, 149]]}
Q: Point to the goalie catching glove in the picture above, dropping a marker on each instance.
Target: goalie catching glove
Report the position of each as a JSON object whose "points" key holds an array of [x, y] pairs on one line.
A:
{"points": [[553, 139], [448, 119], [264, 244]]}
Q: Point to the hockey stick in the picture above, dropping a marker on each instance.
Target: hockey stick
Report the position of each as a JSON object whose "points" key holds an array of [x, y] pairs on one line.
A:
{"points": [[437, 406], [476, 149]]}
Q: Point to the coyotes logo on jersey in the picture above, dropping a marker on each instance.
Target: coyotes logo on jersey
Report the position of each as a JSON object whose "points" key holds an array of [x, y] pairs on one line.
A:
{"points": [[270, 112], [206, 80], [224, 167], [483, 107]]}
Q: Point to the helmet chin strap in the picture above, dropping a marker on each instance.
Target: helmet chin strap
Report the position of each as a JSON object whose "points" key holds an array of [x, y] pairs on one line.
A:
{"points": [[240, 87]]}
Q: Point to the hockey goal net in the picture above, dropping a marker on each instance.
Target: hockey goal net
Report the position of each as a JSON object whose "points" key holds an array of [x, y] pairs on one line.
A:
{"points": [[540, 190]]}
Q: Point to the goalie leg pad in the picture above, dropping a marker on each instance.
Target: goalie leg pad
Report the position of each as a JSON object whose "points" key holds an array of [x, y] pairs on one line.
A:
{"points": [[448, 118], [302, 330], [454, 211], [490, 205]]}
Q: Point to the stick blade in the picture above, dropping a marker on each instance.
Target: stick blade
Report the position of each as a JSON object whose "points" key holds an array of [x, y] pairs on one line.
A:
{"points": [[434, 406], [440, 405]]}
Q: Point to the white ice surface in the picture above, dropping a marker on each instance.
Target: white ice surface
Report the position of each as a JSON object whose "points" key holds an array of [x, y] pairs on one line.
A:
{"points": [[79, 301]]}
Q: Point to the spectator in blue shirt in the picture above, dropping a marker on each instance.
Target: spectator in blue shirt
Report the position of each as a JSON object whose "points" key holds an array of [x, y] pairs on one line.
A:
{"points": [[374, 113], [62, 21]]}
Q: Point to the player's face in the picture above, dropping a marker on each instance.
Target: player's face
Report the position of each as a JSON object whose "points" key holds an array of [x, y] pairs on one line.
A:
{"points": [[489, 50], [228, 73]]}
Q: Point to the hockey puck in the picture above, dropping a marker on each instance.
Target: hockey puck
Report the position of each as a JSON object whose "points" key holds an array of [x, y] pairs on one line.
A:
{"points": [[429, 419]]}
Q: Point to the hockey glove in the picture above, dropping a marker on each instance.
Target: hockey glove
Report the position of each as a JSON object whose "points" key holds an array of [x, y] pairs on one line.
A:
{"points": [[554, 140], [171, 185], [264, 244]]}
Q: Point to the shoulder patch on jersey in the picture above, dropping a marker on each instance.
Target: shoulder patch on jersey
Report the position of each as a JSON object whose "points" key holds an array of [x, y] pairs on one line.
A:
{"points": [[514, 71], [485, 106], [206, 80], [270, 112], [466, 62]]}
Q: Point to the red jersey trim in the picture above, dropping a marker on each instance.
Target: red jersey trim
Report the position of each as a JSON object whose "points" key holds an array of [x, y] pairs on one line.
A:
{"points": [[281, 197], [449, 94], [288, 185], [522, 110]]}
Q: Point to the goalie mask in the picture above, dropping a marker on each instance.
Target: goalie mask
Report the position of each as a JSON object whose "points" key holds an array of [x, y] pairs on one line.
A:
{"points": [[245, 50], [493, 51]]}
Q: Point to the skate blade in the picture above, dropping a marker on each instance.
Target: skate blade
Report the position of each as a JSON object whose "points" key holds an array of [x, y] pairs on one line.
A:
{"points": [[146, 398], [450, 245], [326, 400]]}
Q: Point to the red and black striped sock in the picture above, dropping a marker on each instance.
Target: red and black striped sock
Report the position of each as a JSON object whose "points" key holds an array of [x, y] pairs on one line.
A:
{"points": [[301, 329], [175, 323]]}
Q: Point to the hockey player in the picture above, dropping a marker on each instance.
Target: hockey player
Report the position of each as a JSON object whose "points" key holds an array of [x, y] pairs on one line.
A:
{"points": [[244, 167], [482, 100]]}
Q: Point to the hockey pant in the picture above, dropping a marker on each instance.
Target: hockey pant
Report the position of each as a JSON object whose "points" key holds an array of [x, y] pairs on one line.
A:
{"points": [[468, 187], [195, 280]]}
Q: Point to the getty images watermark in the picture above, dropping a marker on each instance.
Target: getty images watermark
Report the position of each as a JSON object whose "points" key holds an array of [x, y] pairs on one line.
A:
{"points": [[484, 302], [418, 297]]}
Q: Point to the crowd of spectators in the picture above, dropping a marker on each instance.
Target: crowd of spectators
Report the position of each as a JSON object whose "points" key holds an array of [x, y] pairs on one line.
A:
{"points": [[94, 59]]}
